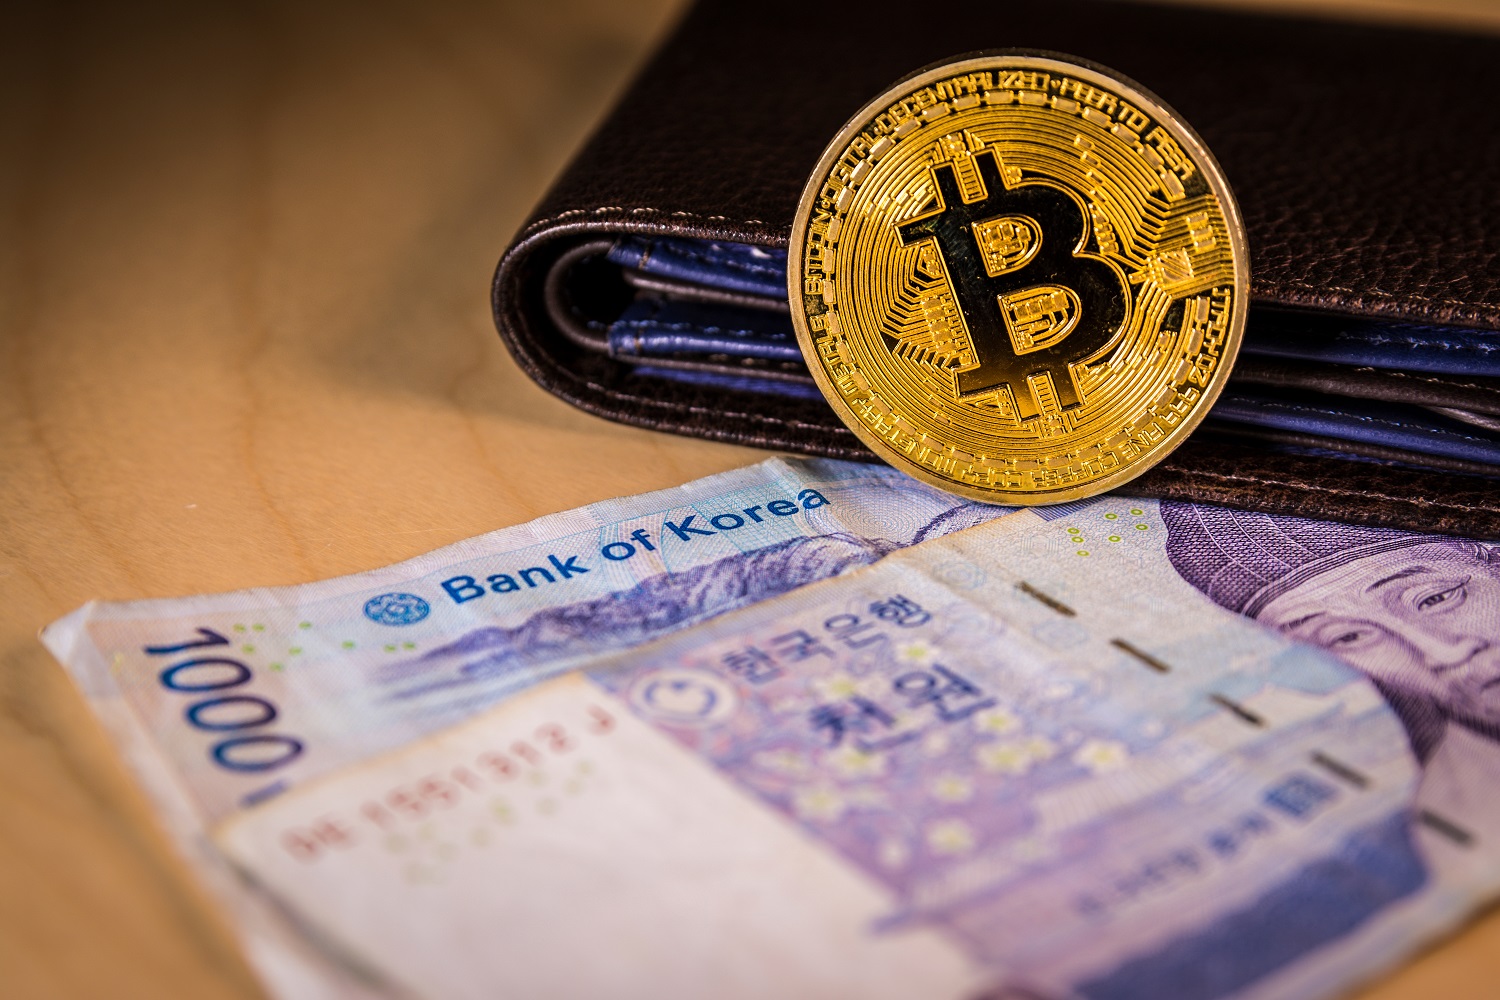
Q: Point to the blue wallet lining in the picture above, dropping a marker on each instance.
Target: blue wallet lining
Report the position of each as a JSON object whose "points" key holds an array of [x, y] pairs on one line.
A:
{"points": [[1391, 426], [661, 328], [1442, 350], [719, 346], [735, 267], [761, 271], [737, 383]]}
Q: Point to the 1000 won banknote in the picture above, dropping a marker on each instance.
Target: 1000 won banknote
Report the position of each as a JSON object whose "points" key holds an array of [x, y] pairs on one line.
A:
{"points": [[245, 694], [222, 701], [226, 704], [1028, 759]]}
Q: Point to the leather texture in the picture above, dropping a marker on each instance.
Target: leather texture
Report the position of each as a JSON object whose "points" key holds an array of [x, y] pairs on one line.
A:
{"points": [[1212, 468], [1359, 154]]}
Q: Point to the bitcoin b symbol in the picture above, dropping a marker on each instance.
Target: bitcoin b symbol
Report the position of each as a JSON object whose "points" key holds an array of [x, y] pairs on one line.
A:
{"points": [[1034, 303]]}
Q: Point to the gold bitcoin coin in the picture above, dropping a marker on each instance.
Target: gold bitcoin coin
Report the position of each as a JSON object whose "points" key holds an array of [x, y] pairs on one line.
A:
{"points": [[1019, 278]]}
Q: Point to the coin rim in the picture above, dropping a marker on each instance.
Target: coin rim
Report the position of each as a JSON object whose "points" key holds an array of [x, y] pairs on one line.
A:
{"points": [[1089, 72]]}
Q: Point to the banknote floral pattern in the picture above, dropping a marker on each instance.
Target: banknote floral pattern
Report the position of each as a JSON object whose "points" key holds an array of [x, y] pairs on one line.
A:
{"points": [[982, 747], [873, 741]]}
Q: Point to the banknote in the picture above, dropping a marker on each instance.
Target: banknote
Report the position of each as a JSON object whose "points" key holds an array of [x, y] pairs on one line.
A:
{"points": [[242, 695], [222, 701], [1049, 756]]}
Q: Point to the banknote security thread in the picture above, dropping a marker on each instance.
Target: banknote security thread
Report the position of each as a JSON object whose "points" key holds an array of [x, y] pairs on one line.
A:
{"points": [[1019, 277]]}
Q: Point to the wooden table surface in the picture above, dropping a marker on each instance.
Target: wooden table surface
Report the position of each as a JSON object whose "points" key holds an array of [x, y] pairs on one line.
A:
{"points": [[244, 263]]}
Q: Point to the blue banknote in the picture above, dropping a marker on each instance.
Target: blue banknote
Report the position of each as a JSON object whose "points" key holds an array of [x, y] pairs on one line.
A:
{"points": [[1039, 747], [219, 702], [239, 696], [1033, 758]]}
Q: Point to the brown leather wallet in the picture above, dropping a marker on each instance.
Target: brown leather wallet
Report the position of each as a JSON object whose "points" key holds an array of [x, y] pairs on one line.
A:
{"points": [[1360, 155]]}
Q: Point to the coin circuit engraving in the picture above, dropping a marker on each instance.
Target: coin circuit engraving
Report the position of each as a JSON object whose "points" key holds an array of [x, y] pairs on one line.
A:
{"points": [[1019, 278]]}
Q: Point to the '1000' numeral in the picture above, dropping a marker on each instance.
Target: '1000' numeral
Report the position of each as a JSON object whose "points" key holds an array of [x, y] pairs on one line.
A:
{"points": [[220, 708]]}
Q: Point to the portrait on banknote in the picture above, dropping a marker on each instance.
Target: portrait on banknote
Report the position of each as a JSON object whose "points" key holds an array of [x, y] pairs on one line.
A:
{"points": [[1418, 614]]}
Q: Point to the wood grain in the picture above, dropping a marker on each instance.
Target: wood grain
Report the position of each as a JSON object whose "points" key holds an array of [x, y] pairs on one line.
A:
{"points": [[244, 254]]}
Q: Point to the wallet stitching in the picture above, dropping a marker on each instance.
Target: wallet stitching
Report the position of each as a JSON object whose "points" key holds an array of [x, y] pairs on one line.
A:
{"points": [[1260, 480], [1434, 380], [679, 327], [1383, 296], [1384, 340], [550, 220]]}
